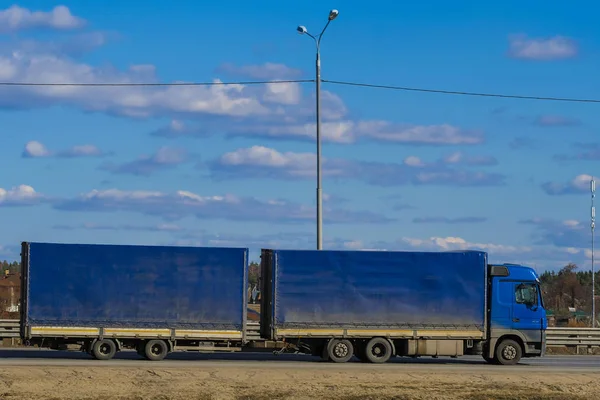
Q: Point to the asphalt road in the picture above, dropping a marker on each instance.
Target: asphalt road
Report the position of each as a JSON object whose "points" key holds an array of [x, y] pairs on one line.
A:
{"points": [[128, 359]]}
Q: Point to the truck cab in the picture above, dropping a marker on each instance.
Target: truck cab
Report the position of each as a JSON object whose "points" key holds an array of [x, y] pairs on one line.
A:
{"points": [[516, 315]]}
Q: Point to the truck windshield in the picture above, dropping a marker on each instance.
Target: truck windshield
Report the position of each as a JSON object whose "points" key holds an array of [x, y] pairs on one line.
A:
{"points": [[541, 294]]}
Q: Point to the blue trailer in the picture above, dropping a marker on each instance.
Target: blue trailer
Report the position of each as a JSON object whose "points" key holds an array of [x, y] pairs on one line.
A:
{"points": [[379, 304], [155, 299], [334, 304]]}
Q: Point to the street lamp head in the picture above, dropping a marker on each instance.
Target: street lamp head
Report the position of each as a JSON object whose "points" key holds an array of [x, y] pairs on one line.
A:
{"points": [[301, 29], [333, 14]]}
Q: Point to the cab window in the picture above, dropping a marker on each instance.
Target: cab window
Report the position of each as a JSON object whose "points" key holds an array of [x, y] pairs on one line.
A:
{"points": [[526, 294]]}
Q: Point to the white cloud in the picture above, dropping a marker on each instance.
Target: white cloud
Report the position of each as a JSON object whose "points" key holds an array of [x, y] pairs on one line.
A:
{"points": [[413, 161], [443, 134], [578, 185], [183, 203], [275, 110], [135, 102], [460, 158], [540, 257], [350, 131], [17, 18], [300, 164], [458, 243], [282, 93], [542, 49], [35, 149], [19, 195], [331, 131], [264, 162], [571, 223], [125, 227], [565, 234]]}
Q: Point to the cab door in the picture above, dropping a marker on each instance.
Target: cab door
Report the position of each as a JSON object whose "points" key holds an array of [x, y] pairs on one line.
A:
{"points": [[528, 314]]}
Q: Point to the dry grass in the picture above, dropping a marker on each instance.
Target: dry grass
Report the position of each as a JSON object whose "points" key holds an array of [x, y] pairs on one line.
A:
{"points": [[271, 382]]}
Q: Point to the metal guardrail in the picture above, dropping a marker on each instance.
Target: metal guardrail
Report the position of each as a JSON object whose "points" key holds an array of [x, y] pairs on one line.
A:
{"points": [[252, 330], [10, 328], [573, 337]]}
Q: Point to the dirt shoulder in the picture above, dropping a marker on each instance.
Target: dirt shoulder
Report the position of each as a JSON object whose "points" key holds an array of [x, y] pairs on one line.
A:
{"points": [[269, 382]]}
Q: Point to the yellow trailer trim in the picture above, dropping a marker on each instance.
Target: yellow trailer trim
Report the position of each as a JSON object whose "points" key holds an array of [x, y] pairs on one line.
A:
{"points": [[397, 333], [450, 333], [207, 333], [64, 331], [136, 332]]}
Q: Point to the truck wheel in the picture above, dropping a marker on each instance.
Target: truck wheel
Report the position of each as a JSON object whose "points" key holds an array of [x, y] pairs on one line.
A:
{"points": [[508, 352], [340, 351], [378, 350], [156, 350], [104, 349]]}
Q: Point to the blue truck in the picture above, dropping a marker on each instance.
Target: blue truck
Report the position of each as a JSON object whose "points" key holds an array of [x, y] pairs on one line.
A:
{"points": [[378, 304], [372, 305]]}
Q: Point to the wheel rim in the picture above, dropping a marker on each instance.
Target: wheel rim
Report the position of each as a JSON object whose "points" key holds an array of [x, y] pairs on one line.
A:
{"points": [[509, 352], [156, 350], [341, 350], [378, 350], [104, 349]]}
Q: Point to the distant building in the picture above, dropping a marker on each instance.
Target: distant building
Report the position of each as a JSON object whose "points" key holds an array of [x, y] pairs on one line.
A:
{"points": [[10, 292]]}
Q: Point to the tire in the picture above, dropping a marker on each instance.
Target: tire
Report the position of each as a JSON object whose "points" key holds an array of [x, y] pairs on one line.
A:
{"points": [[104, 349], [156, 350], [508, 352], [340, 350], [378, 350]]}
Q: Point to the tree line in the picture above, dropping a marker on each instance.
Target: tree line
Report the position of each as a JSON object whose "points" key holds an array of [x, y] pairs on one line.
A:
{"points": [[11, 266], [569, 288]]}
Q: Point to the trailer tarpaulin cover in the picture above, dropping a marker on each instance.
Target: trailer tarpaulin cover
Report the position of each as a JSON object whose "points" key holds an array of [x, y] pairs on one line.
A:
{"points": [[319, 288], [136, 286]]}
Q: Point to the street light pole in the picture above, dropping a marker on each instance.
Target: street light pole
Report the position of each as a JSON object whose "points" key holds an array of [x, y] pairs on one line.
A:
{"points": [[302, 30], [593, 226]]}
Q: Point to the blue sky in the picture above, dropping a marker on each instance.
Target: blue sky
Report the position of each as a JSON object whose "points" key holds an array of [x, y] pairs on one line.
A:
{"points": [[235, 165]]}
